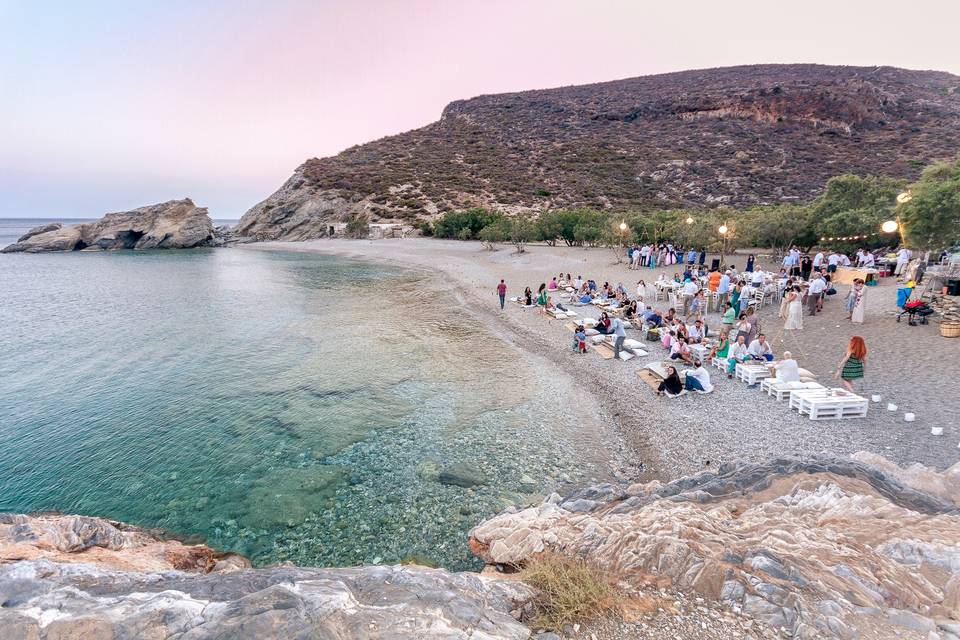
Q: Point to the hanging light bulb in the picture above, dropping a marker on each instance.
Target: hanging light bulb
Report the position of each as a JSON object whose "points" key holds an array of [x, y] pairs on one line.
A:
{"points": [[890, 225]]}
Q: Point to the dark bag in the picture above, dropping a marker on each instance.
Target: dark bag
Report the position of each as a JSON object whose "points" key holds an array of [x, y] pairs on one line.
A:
{"points": [[831, 291]]}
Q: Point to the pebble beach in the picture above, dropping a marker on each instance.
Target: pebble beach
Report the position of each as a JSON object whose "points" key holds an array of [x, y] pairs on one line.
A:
{"points": [[909, 366]]}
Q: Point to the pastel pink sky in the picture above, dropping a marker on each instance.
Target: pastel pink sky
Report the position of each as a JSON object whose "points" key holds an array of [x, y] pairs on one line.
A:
{"points": [[112, 105]]}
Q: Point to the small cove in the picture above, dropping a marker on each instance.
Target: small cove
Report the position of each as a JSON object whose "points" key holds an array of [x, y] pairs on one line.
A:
{"points": [[282, 405]]}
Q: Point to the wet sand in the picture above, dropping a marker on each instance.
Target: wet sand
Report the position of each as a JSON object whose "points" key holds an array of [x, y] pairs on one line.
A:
{"points": [[913, 367]]}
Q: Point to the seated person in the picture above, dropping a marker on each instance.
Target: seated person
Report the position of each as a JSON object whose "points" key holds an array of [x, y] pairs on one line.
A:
{"points": [[671, 316], [680, 350], [696, 332], [631, 309], [671, 385], [787, 369], [667, 338], [698, 379], [578, 283], [653, 318], [603, 324], [549, 306], [737, 353], [760, 349], [528, 297], [553, 284], [723, 345]]}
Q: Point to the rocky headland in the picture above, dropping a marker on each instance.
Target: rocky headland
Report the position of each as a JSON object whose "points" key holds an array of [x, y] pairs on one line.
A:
{"points": [[823, 547], [177, 224], [738, 136]]}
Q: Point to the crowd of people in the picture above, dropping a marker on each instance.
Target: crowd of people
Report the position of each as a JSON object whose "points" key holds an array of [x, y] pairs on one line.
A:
{"points": [[801, 285]]}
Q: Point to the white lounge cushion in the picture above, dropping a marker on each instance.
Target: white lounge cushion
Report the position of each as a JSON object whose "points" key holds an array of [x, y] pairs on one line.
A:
{"points": [[626, 355], [589, 322], [591, 332], [596, 339], [630, 343]]}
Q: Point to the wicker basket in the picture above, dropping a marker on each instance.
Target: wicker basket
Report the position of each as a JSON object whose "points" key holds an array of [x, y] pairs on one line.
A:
{"points": [[950, 329]]}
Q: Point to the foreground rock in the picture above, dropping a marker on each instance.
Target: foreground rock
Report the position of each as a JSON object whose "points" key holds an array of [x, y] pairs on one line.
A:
{"points": [[821, 548], [108, 544], [177, 224], [88, 578], [43, 599]]}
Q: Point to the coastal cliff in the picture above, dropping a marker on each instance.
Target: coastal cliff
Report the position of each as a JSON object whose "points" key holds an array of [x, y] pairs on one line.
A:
{"points": [[177, 224], [823, 547], [737, 136]]}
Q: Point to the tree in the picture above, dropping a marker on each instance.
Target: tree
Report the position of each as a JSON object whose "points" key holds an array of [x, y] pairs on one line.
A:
{"points": [[522, 230], [855, 206], [358, 226], [931, 219], [499, 231], [465, 225], [778, 227]]}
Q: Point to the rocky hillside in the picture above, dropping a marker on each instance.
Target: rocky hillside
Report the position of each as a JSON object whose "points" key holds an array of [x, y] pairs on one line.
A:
{"points": [[737, 136], [177, 224]]}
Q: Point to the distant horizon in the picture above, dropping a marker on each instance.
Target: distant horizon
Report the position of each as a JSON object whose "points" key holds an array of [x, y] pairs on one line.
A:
{"points": [[109, 117]]}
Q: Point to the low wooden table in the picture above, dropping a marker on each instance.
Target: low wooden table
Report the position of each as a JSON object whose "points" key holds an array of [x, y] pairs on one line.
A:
{"points": [[829, 404], [751, 373]]}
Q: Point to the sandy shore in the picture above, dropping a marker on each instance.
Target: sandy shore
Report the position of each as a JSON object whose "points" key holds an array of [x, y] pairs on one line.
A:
{"points": [[913, 367]]}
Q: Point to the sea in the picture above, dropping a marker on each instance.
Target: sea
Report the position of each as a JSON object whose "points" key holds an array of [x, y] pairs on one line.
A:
{"points": [[283, 405]]}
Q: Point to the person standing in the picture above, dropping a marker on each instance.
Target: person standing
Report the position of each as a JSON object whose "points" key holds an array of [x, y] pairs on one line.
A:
{"points": [[903, 257], [750, 260], [818, 261], [857, 302], [814, 293], [794, 310], [852, 365], [832, 261], [502, 292], [620, 334]]}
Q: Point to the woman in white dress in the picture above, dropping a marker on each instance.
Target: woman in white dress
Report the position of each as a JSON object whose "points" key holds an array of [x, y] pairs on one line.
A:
{"points": [[857, 302], [794, 316]]}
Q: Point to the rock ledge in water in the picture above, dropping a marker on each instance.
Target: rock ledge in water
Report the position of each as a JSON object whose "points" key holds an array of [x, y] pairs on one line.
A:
{"points": [[177, 224]]}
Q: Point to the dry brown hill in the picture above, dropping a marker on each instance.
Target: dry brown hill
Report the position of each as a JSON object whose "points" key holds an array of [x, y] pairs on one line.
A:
{"points": [[737, 136]]}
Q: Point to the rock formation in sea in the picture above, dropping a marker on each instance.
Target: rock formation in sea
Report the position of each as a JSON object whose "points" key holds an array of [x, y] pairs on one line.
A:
{"points": [[177, 224], [815, 548], [735, 136], [820, 548]]}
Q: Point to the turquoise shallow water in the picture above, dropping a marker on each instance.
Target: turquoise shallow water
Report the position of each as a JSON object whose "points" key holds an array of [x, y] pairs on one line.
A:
{"points": [[287, 406]]}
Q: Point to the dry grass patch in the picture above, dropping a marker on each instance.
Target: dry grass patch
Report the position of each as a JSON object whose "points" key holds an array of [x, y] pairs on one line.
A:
{"points": [[571, 591]]}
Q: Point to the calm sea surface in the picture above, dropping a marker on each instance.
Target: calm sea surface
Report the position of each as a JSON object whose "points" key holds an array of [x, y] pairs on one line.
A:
{"points": [[287, 406]]}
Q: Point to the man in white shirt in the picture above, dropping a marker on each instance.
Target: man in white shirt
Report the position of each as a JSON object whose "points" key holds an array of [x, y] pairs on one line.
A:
{"points": [[757, 279], [903, 257], [868, 260], [760, 349], [644, 255], [698, 379], [815, 292], [695, 331], [832, 261], [818, 261], [859, 257], [578, 283], [690, 287], [844, 260], [787, 369]]}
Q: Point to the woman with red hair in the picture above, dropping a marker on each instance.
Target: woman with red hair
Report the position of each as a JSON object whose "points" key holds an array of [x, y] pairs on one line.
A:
{"points": [[851, 366]]}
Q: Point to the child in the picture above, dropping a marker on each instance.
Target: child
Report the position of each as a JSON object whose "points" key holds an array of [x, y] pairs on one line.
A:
{"points": [[580, 340]]}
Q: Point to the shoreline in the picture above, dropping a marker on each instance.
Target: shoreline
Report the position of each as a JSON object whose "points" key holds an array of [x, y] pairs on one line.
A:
{"points": [[631, 459], [673, 438]]}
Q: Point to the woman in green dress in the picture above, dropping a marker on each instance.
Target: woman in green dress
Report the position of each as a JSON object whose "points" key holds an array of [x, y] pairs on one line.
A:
{"points": [[542, 297], [852, 365]]}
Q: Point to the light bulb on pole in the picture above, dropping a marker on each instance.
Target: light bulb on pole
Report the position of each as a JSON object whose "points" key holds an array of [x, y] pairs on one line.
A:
{"points": [[889, 226], [723, 250]]}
